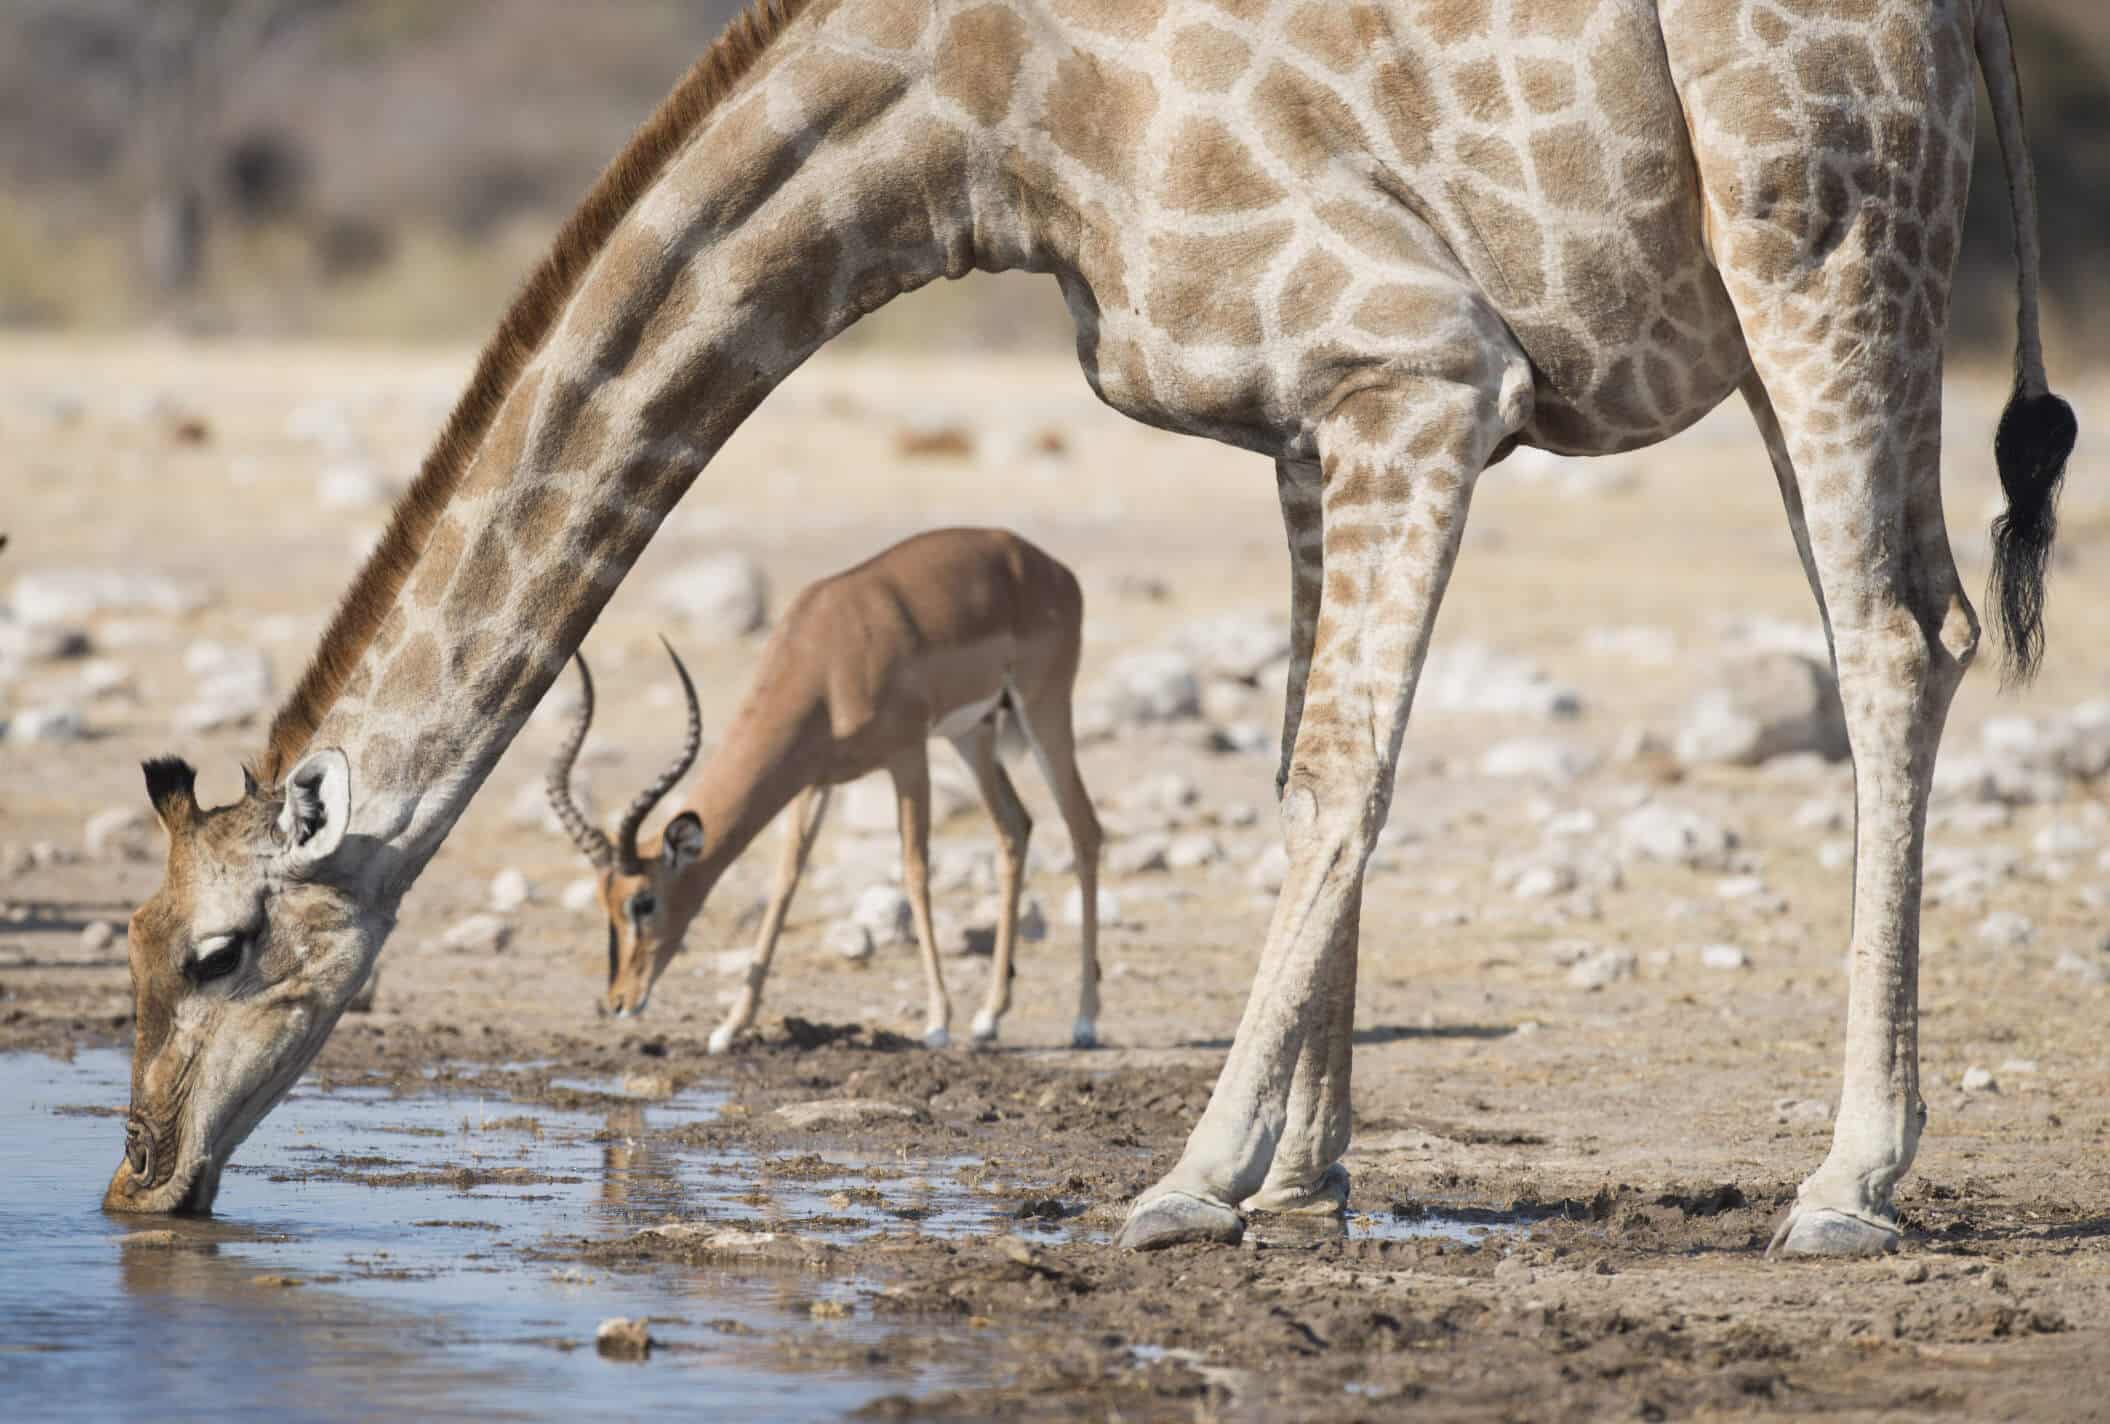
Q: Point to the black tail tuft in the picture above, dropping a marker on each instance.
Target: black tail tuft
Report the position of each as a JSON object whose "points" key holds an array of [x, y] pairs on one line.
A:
{"points": [[2035, 437]]}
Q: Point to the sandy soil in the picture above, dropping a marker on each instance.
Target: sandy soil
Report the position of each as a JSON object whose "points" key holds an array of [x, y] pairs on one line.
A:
{"points": [[1643, 1136]]}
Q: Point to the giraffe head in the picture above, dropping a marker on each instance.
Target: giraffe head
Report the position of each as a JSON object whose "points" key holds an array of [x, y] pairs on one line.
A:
{"points": [[241, 964], [645, 888]]}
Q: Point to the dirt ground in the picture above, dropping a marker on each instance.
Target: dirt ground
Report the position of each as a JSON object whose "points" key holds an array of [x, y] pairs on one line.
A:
{"points": [[1641, 1138]]}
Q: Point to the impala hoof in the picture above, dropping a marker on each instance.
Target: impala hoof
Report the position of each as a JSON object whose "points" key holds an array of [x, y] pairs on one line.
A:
{"points": [[721, 1039], [985, 1027], [1176, 1218], [936, 1038], [1824, 1231], [1084, 1034]]}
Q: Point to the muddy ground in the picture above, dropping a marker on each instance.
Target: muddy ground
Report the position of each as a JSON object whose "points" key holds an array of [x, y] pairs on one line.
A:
{"points": [[1640, 1138]]}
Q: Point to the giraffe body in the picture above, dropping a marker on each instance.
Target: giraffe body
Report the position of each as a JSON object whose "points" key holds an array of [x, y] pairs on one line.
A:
{"points": [[1383, 243]]}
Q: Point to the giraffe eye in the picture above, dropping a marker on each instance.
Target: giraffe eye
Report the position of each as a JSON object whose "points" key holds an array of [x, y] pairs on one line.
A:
{"points": [[214, 958]]}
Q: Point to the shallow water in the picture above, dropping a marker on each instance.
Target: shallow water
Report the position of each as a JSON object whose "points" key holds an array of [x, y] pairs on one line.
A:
{"points": [[370, 1252]]}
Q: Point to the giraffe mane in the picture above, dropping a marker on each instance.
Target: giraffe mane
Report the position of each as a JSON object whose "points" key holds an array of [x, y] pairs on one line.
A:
{"points": [[526, 325]]}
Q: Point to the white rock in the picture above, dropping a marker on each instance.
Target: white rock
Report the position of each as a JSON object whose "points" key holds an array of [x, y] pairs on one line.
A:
{"points": [[1978, 1080], [351, 484], [2084, 968], [1192, 851], [39, 642], [1606, 967], [1165, 796], [580, 896], [721, 596], [1765, 706], [884, 911], [1544, 758], [1823, 813], [233, 686], [1238, 815], [48, 724], [1657, 831], [1237, 646], [107, 678], [1570, 825], [1638, 643], [1150, 687], [1739, 887], [1775, 635], [1137, 855], [1542, 881], [98, 935], [1835, 854], [2006, 929], [1473, 677], [1802, 1110], [510, 890], [849, 940], [70, 595], [2064, 838], [1270, 869], [478, 934], [1724, 956], [1447, 917], [1073, 907], [120, 833]]}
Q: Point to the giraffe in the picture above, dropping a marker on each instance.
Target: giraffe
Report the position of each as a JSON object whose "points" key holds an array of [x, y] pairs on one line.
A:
{"points": [[1383, 242]]}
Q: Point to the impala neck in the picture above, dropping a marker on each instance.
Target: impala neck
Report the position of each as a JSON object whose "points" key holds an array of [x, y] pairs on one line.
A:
{"points": [[807, 198]]}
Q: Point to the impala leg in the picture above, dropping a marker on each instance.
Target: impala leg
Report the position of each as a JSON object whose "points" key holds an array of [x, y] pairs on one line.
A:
{"points": [[911, 773], [1297, 484], [1014, 827], [1400, 463], [1048, 727], [800, 830]]}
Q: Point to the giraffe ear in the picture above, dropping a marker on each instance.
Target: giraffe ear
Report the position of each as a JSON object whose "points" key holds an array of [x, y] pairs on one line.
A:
{"points": [[682, 841], [316, 811]]}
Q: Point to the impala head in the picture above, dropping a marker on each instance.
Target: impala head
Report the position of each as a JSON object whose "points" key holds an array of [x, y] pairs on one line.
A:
{"points": [[643, 886], [241, 963]]}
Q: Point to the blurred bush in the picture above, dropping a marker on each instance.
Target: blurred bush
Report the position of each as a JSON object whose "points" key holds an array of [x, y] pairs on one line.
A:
{"points": [[387, 169]]}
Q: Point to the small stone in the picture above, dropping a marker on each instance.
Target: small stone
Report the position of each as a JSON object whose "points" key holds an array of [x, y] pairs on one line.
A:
{"points": [[847, 939], [719, 596], [1137, 855], [120, 833], [1448, 917], [163, 1240], [1192, 851], [1604, 968], [620, 1339], [1235, 646], [1835, 854], [351, 484], [2084, 969], [2022, 1067], [1151, 687], [1473, 677], [1724, 956], [1910, 1272], [1269, 869], [1570, 825], [1739, 887], [1543, 881], [1238, 815], [885, 913], [2006, 929], [1544, 758], [1767, 705], [509, 890], [2063, 838], [1657, 831], [1073, 907], [71, 595], [478, 934], [1802, 1110], [1979, 1080], [48, 724], [648, 1084], [98, 935], [1823, 813], [848, 1112], [580, 896]]}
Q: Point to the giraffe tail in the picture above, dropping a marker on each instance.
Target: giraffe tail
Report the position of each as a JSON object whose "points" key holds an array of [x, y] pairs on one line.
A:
{"points": [[2037, 429]]}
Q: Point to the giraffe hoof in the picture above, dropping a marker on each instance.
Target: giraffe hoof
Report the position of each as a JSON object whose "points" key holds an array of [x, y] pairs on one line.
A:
{"points": [[1176, 1218], [1326, 1197], [936, 1038], [1084, 1034], [1824, 1231]]}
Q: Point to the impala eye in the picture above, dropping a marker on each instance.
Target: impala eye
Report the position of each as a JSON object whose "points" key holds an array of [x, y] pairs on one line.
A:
{"points": [[214, 958], [642, 905]]}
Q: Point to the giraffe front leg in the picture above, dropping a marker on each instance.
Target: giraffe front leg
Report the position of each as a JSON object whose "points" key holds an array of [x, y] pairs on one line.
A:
{"points": [[805, 824], [1279, 1120]]}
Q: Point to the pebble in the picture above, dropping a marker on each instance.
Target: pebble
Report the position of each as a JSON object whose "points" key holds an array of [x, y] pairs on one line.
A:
{"points": [[478, 934], [1073, 907], [580, 896], [1148, 687], [1604, 968], [849, 1112], [1979, 1080], [1545, 758], [2063, 838], [1474, 677], [119, 833], [98, 935], [1767, 705], [1724, 956], [621, 1339], [648, 1084], [70, 595], [1138, 855], [1165, 795], [2006, 929], [1802, 1110], [233, 686], [1540, 882], [1192, 851], [847, 939], [55, 722], [885, 914], [719, 596], [1236, 646], [1657, 831], [351, 484], [2086, 969], [1269, 869], [509, 890]]}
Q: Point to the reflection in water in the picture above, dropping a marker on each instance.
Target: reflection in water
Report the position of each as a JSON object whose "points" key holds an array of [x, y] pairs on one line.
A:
{"points": [[369, 1259]]}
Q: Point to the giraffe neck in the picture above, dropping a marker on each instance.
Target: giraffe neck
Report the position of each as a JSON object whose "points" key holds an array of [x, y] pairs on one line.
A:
{"points": [[812, 195]]}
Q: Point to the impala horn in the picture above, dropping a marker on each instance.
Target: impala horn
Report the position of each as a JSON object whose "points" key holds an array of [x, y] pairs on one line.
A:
{"points": [[626, 833], [584, 833]]}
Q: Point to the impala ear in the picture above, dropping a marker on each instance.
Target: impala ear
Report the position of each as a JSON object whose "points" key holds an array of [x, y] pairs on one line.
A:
{"points": [[317, 809], [682, 842]]}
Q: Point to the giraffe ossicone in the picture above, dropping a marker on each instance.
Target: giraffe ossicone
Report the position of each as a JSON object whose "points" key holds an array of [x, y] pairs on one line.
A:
{"points": [[1382, 241]]}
